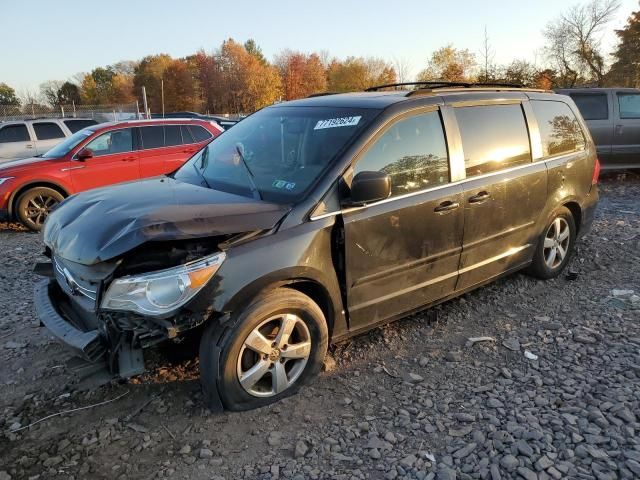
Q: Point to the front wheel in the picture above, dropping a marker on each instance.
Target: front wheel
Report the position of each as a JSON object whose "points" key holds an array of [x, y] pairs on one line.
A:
{"points": [[555, 246], [277, 344], [34, 206]]}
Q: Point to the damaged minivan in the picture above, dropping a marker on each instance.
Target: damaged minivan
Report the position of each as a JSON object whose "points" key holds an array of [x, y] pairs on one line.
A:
{"points": [[313, 220]]}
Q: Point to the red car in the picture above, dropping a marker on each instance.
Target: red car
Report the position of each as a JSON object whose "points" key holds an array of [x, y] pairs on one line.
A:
{"points": [[94, 157]]}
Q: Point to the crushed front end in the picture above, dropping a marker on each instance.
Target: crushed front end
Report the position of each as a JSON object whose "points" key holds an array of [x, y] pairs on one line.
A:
{"points": [[112, 311]]}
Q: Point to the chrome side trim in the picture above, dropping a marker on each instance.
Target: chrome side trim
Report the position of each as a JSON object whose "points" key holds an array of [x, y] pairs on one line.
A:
{"points": [[420, 192], [508, 253]]}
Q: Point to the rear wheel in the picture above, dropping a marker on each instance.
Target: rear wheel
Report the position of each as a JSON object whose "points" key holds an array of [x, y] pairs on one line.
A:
{"points": [[34, 205], [277, 344], [555, 245]]}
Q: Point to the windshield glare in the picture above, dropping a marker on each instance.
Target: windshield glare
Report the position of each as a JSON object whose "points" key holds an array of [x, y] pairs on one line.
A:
{"points": [[277, 153], [64, 147]]}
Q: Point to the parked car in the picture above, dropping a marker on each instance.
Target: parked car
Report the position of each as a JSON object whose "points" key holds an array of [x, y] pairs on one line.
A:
{"points": [[224, 122], [314, 220], [613, 117], [96, 156], [26, 138]]}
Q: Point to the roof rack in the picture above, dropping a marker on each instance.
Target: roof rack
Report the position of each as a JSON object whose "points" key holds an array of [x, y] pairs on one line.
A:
{"points": [[442, 84], [321, 94]]}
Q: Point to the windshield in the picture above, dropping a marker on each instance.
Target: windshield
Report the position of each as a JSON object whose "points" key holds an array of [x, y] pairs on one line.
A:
{"points": [[61, 149], [277, 153]]}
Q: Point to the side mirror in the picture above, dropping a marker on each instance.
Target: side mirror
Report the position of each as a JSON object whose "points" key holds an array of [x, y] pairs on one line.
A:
{"points": [[84, 154], [368, 187]]}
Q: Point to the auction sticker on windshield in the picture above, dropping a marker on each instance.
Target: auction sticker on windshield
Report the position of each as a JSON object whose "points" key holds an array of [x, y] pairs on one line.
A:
{"points": [[337, 122]]}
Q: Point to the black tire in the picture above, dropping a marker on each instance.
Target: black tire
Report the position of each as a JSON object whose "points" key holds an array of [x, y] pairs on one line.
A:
{"points": [[540, 267], [222, 353], [34, 205]]}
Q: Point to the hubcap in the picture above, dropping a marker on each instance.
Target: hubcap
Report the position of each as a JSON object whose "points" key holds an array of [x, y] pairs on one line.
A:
{"points": [[556, 243], [39, 207], [273, 355]]}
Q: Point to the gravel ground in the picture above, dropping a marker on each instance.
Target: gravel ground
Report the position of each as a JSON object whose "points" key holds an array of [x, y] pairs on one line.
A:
{"points": [[555, 394]]}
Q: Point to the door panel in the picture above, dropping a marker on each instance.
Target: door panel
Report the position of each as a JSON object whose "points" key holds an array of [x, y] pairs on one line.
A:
{"points": [[496, 147], [401, 254], [626, 133], [114, 161], [15, 142]]}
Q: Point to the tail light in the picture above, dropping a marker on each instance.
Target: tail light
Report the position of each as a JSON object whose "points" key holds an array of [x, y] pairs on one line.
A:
{"points": [[596, 172]]}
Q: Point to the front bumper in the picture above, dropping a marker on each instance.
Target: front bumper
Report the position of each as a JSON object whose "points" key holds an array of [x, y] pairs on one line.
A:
{"points": [[83, 342]]}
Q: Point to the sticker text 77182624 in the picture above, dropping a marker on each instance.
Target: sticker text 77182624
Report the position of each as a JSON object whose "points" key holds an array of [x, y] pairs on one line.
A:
{"points": [[337, 122]]}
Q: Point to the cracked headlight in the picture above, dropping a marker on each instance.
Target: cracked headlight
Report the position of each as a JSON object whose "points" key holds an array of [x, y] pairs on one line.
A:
{"points": [[162, 291]]}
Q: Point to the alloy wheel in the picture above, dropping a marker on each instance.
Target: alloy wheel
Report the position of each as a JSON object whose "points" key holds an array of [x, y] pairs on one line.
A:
{"points": [[274, 355], [38, 208], [556, 243]]}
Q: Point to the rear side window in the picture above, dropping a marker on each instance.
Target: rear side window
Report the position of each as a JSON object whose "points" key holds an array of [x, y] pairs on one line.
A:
{"points": [[560, 130], [47, 130], [77, 125], [152, 137], [412, 151], [172, 135], [14, 133], [629, 104], [494, 137], [592, 106], [199, 133]]}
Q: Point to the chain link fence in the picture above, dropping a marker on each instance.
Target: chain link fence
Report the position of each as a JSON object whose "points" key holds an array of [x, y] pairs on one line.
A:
{"points": [[100, 113]]}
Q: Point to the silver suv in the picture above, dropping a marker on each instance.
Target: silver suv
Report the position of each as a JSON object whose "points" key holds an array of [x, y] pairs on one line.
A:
{"points": [[28, 138]]}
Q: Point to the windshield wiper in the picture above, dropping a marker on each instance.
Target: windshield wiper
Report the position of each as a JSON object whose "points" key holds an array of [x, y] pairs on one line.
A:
{"points": [[254, 187], [203, 164]]}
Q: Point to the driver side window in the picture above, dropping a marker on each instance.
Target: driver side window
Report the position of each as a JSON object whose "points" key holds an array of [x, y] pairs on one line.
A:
{"points": [[412, 151], [116, 141]]}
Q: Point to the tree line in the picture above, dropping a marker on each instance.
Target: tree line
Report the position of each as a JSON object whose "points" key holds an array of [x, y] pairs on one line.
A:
{"points": [[238, 78]]}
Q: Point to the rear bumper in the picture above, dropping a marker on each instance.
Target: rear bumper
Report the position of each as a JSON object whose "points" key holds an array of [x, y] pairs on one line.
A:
{"points": [[589, 212], [84, 343]]}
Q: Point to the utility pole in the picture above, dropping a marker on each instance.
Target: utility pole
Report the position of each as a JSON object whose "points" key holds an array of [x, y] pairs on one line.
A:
{"points": [[144, 102], [162, 90]]}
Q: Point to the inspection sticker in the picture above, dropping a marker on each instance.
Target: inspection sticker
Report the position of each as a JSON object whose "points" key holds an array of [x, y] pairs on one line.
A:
{"points": [[283, 184], [337, 122]]}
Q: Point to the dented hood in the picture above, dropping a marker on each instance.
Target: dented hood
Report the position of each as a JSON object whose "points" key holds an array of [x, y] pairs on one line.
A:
{"points": [[102, 224]]}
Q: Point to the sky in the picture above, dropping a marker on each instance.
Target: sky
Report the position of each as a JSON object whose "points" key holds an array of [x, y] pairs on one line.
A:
{"points": [[54, 40]]}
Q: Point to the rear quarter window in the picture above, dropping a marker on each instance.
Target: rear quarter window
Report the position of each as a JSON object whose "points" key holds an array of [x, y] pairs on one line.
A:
{"points": [[560, 131], [199, 133]]}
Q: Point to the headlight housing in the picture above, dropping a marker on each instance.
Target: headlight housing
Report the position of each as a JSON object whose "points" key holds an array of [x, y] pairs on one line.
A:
{"points": [[161, 292], [5, 179]]}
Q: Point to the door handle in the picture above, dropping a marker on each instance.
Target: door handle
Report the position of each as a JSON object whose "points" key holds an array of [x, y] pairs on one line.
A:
{"points": [[188, 150], [619, 129], [28, 146], [480, 197], [129, 159], [446, 207]]}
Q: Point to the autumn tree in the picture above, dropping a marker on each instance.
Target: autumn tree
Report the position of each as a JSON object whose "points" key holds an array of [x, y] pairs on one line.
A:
{"points": [[206, 70], [488, 69], [180, 87], [255, 51], [247, 83], [574, 43], [357, 74], [302, 75], [520, 72], [625, 71], [450, 64], [8, 95], [149, 74]]}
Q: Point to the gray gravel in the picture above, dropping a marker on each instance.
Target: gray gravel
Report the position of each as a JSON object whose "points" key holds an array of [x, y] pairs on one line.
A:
{"points": [[414, 400]]}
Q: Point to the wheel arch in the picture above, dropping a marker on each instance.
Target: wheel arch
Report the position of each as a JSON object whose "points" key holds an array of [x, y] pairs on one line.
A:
{"points": [[34, 184], [576, 211]]}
